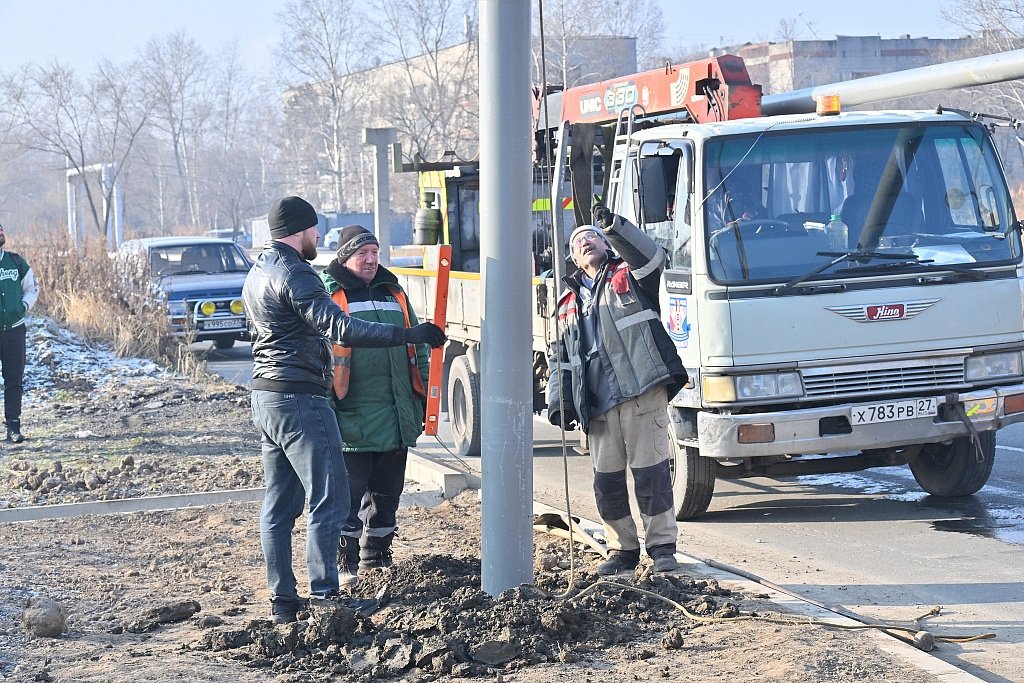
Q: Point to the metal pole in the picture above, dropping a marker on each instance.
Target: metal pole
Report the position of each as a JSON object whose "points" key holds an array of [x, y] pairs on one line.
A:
{"points": [[381, 138], [72, 208], [557, 212], [506, 265], [963, 73]]}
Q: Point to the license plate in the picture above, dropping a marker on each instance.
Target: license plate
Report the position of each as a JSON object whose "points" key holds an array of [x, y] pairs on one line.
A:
{"points": [[221, 324], [893, 411]]}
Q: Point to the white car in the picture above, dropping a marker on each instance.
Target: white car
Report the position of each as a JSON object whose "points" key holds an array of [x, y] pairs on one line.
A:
{"points": [[331, 238]]}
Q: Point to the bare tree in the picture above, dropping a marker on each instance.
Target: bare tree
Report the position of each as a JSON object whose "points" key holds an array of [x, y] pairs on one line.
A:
{"points": [[177, 73], [233, 164], [430, 94], [322, 44], [81, 123], [640, 19], [570, 27], [787, 30], [998, 26]]}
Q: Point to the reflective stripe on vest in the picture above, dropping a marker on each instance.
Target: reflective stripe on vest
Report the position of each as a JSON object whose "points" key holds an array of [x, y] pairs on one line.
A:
{"points": [[343, 354]]}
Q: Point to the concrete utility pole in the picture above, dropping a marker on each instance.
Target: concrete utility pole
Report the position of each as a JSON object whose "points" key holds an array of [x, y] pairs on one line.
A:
{"points": [[506, 376], [113, 227], [381, 139]]}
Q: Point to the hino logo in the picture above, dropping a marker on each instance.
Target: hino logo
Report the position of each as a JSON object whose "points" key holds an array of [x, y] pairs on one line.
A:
{"points": [[887, 312], [871, 313]]}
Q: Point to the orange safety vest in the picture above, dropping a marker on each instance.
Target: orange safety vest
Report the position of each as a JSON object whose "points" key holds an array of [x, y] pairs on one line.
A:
{"points": [[343, 354]]}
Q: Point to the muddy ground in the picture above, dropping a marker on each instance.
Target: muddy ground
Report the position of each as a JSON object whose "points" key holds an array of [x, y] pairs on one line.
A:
{"points": [[180, 594]]}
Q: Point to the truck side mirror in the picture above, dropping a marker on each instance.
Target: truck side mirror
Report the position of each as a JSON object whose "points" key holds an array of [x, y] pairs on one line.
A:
{"points": [[653, 190]]}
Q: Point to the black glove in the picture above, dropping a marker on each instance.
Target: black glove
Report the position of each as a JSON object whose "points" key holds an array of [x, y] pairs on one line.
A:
{"points": [[568, 424], [425, 333], [603, 218]]}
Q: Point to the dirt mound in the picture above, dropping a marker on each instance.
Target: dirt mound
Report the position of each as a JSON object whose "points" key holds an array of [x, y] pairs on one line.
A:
{"points": [[434, 619]]}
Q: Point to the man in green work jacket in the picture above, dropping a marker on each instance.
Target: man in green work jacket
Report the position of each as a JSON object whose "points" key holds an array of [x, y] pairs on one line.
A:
{"points": [[379, 399]]}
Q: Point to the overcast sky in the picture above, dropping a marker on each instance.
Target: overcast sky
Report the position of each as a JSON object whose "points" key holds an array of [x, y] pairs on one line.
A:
{"points": [[81, 32]]}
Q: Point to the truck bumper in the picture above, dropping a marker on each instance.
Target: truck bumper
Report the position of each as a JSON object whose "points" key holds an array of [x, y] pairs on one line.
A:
{"points": [[813, 430]]}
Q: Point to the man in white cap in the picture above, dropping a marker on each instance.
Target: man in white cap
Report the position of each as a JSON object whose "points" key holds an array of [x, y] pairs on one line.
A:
{"points": [[292, 322], [613, 372]]}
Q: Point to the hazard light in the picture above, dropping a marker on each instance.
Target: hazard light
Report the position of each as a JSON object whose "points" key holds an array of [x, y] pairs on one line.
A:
{"points": [[1014, 403], [828, 105]]}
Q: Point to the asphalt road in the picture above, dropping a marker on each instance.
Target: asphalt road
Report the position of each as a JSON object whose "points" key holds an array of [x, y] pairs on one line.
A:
{"points": [[234, 364], [871, 541]]}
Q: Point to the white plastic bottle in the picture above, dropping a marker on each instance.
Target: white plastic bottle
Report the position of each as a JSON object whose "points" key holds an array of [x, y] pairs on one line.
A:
{"points": [[837, 233]]}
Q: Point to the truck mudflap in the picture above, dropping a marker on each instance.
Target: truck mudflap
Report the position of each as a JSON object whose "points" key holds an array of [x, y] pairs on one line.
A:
{"points": [[858, 426]]}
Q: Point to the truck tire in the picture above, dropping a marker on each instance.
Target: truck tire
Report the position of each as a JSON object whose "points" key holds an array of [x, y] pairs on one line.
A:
{"points": [[952, 470], [223, 342], [693, 481], [464, 407]]}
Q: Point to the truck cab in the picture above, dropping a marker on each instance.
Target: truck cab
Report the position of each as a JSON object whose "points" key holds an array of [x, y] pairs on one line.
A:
{"points": [[899, 342]]}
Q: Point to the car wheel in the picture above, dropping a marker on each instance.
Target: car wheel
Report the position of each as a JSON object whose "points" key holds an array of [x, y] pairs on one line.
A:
{"points": [[693, 481], [464, 407], [955, 469]]}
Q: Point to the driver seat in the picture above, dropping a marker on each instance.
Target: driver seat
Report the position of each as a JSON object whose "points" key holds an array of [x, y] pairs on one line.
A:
{"points": [[906, 217]]}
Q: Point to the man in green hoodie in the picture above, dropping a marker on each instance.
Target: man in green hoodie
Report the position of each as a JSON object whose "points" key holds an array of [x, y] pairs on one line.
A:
{"points": [[378, 399], [18, 291]]}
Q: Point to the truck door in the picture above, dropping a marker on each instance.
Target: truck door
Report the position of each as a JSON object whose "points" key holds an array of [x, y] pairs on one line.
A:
{"points": [[656, 194]]}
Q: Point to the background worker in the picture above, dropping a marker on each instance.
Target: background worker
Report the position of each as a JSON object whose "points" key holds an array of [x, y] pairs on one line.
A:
{"points": [[613, 371], [379, 399], [292, 322], [18, 292]]}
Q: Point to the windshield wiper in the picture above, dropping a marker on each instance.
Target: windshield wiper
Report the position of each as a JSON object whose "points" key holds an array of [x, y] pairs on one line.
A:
{"points": [[857, 255], [186, 272], [963, 270]]}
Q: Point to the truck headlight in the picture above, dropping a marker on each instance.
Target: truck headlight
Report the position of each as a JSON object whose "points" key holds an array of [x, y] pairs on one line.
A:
{"points": [[719, 389], [176, 309], [992, 366]]}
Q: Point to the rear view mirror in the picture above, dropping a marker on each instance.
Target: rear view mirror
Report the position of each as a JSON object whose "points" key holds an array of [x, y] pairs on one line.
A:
{"points": [[653, 189]]}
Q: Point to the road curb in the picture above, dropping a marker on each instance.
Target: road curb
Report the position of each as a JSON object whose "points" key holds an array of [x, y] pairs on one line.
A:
{"points": [[140, 504], [429, 472], [943, 671]]}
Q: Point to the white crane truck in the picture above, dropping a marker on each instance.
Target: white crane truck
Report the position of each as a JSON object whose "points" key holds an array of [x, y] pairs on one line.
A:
{"points": [[810, 348]]}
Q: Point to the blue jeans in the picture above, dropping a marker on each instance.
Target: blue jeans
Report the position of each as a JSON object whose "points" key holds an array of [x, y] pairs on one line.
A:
{"points": [[302, 460]]}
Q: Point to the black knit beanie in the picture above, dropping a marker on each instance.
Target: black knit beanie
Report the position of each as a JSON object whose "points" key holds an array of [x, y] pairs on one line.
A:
{"points": [[351, 239], [291, 215]]}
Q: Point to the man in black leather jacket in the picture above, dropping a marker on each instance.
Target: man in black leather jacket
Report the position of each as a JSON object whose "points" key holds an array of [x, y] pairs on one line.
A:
{"points": [[292, 323]]}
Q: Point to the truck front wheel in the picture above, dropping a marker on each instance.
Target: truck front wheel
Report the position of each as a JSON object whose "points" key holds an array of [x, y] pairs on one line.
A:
{"points": [[952, 470], [693, 481], [464, 407]]}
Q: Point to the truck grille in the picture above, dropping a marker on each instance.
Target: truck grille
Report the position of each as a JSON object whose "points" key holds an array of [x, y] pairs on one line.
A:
{"points": [[897, 376]]}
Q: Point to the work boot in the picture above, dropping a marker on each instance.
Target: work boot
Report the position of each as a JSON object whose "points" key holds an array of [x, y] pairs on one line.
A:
{"points": [[619, 561], [285, 610], [348, 560], [376, 552], [665, 563], [14, 434], [664, 557]]}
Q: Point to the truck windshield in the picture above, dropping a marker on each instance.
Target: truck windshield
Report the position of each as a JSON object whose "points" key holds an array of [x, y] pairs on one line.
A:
{"points": [[933, 192]]}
